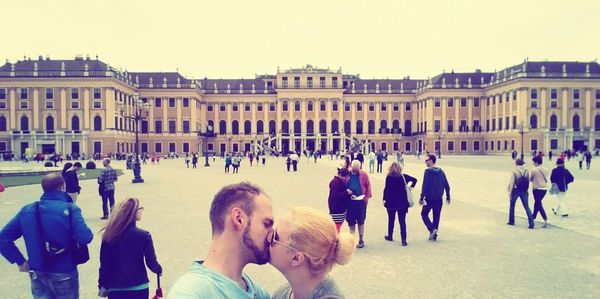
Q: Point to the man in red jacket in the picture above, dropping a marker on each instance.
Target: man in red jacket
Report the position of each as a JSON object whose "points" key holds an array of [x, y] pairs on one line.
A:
{"points": [[360, 186]]}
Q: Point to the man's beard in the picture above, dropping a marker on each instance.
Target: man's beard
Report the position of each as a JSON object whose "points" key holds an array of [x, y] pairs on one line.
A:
{"points": [[260, 258]]}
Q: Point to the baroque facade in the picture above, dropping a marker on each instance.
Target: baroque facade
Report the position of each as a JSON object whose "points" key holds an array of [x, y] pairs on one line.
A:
{"points": [[84, 105]]}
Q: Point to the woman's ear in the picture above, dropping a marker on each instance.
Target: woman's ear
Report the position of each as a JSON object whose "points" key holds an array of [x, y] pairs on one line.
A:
{"points": [[298, 259]]}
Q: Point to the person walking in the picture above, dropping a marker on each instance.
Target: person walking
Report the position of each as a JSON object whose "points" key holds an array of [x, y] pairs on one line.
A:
{"points": [[124, 249], [339, 197], [194, 160], [304, 248], [235, 162], [395, 199], [107, 178], [187, 160], [588, 159], [360, 186], [434, 185], [580, 159], [240, 214], [228, 162], [379, 161], [51, 228], [518, 187], [288, 162], [562, 177], [372, 158], [539, 185], [72, 181], [294, 158]]}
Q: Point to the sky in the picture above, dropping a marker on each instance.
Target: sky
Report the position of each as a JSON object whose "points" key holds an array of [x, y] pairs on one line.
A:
{"points": [[239, 39]]}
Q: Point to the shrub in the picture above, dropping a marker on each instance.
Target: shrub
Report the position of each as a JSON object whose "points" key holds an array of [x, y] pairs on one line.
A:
{"points": [[90, 165], [48, 164]]}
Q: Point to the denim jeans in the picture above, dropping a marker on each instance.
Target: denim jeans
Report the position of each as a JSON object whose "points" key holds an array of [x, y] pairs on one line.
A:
{"points": [[46, 285], [436, 207], [525, 201], [538, 195], [371, 166], [108, 196]]}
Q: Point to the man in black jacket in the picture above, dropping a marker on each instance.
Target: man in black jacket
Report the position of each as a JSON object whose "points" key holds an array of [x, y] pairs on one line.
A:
{"points": [[432, 190], [72, 181]]}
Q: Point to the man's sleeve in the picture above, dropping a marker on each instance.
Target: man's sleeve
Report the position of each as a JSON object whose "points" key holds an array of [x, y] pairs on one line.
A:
{"points": [[82, 234], [115, 174], [424, 185], [446, 185], [8, 235], [101, 177]]}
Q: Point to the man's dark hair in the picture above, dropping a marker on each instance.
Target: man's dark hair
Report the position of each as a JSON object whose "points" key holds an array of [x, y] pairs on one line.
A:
{"points": [[77, 164], [560, 162], [240, 195], [537, 160], [52, 182], [431, 158], [520, 162]]}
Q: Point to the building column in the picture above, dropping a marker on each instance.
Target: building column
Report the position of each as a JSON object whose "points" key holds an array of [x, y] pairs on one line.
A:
{"points": [[377, 116], [402, 107], [564, 107], [588, 111], [543, 107], [165, 123], [303, 108], [13, 110], [365, 117], [390, 118], [194, 105], [109, 107], [444, 120], [229, 120], [469, 114], [253, 128], [179, 121], [86, 110], [353, 118]]}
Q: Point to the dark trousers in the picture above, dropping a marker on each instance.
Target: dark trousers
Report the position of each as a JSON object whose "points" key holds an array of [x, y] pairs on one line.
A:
{"points": [[538, 195], [108, 197], [288, 166], [436, 206], [524, 200], [295, 165], [379, 166], [140, 294], [226, 168], [401, 220]]}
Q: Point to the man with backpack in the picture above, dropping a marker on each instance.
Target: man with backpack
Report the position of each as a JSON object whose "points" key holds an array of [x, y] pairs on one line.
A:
{"points": [[518, 187]]}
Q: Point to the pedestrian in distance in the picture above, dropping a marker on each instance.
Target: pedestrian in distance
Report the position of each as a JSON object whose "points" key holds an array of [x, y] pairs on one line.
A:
{"points": [[51, 229], [539, 186], [228, 161], [241, 217], [372, 157], [379, 161], [187, 160], [339, 197], [304, 248], [360, 186], [288, 162], [562, 177], [107, 179], [588, 159], [194, 161], [124, 249], [395, 199], [72, 181], [435, 184], [518, 187]]}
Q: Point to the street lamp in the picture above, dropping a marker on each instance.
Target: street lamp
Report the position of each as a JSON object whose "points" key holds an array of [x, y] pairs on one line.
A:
{"points": [[141, 110], [439, 138], [228, 136], [522, 129], [208, 133]]}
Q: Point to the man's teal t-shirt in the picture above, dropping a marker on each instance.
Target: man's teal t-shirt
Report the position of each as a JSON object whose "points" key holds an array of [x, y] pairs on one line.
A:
{"points": [[354, 184], [201, 282]]}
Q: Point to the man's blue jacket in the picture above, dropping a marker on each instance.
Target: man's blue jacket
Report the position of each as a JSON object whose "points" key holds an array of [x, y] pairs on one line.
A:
{"points": [[54, 214]]}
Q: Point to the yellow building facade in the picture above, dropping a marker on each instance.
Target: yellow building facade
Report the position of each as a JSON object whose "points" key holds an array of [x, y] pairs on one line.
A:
{"points": [[86, 106]]}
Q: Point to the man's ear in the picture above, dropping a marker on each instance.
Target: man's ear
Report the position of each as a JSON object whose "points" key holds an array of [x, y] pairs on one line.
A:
{"points": [[238, 218]]}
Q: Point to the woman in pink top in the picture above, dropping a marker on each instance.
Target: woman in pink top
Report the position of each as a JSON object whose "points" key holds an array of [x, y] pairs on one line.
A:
{"points": [[539, 177]]}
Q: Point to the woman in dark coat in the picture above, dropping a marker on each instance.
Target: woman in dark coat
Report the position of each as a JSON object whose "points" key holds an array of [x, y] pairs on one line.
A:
{"points": [[562, 177], [125, 252], [339, 197], [395, 199]]}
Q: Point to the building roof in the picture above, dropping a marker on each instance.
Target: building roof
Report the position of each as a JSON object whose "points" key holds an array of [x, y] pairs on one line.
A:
{"points": [[159, 80], [385, 86], [233, 86], [464, 80]]}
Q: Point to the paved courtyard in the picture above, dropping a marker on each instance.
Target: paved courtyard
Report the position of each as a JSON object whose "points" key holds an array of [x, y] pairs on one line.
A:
{"points": [[476, 256]]}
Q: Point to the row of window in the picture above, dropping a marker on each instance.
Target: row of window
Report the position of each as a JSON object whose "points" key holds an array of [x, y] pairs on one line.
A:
{"points": [[309, 106], [450, 102], [50, 105], [24, 93], [309, 82], [50, 123], [575, 94]]}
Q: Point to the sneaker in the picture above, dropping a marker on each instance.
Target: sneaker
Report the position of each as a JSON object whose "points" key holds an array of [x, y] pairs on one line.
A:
{"points": [[433, 235], [404, 243], [510, 223], [389, 238], [553, 211], [565, 215], [531, 226], [545, 225], [104, 217], [361, 244]]}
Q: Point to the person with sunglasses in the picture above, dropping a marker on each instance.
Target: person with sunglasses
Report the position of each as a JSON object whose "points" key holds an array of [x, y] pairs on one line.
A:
{"points": [[434, 185], [304, 247], [122, 253]]}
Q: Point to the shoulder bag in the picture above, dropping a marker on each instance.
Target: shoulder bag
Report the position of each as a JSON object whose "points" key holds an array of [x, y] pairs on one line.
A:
{"points": [[409, 195], [81, 253]]}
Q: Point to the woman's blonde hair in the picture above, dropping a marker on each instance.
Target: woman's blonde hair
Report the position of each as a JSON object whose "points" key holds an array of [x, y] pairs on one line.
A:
{"points": [[123, 215], [313, 232], [395, 169]]}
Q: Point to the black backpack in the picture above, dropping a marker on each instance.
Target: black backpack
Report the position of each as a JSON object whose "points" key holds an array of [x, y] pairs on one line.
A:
{"points": [[522, 182]]}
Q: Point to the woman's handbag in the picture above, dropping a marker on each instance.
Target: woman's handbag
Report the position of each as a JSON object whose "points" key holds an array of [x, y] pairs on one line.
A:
{"points": [[409, 195], [553, 189]]}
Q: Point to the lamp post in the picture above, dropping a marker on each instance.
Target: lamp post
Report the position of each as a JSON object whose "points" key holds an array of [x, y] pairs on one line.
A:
{"points": [[439, 138], [228, 136], [522, 129], [141, 110], [205, 135]]}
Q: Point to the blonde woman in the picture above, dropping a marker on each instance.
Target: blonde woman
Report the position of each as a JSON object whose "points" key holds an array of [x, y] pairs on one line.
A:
{"points": [[304, 247], [395, 199], [123, 251]]}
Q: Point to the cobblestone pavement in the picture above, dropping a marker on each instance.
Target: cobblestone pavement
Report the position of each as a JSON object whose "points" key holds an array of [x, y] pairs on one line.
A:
{"points": [[476, 256]]}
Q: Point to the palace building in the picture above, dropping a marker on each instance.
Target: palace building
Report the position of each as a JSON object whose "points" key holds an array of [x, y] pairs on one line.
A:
{"points": [[84, 105]]}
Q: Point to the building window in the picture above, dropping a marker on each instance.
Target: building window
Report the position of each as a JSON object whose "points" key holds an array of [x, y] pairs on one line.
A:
{"points": [[296, 82], [74, 104], [346, 106], [186, 147], [534, 104], [334, 82], [436, 103], [322, 105], [144, 127], [576, 94], [3, 94], [271, 106], [334, 106], [534, 145], [322, 82], [171, 102], [500, 124], [476, 146], [358, 106], [553, 94], [576, 104], [309, 82], [97, 93], [158, 147], [284, 82], [463, 102], [186, 102], [158, 126], [284, 106], [158, 102], [450, 102], [172, 147], [74, 93], [209, 107], [24, 105], [475, 102], [49, 93], [553, 104], [222, 107], [553, 144], [597, 94], [172, 127], [309, 106], [437, 125], [186, 126], [49, 104], [2, 104], [450, 146], [407, 106], [246, 106], [371, 107], [395, 107], [534, 94], [450, 125], [297, 105], [97, 105], [234, 107], [24, 93], [383, 106], [463, 146], [259, 107]]}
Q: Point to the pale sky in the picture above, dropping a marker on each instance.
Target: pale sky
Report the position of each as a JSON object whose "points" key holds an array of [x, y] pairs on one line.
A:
{"points": [[238, 39]]}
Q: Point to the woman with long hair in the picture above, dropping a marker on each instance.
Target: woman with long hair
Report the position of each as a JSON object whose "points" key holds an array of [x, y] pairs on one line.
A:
{"points": [[304, 247], [395, 199], [339, 197], [123, 251]]}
